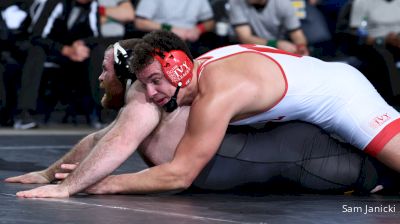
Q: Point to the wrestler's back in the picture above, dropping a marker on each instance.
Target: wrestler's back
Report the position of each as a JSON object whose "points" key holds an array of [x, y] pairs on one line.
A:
{"points": [[310, 83], [332, 95]]}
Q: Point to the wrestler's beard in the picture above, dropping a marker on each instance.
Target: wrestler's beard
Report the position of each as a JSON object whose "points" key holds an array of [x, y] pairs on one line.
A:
{"points": [[113, 99]]}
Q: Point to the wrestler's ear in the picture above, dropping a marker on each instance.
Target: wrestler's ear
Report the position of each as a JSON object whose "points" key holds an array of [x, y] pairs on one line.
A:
{"points": [[177, 67], [121, 64]]}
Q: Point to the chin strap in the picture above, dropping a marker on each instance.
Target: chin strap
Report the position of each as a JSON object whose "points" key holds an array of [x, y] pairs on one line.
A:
{"points": [[128, 84], [172, 104]]}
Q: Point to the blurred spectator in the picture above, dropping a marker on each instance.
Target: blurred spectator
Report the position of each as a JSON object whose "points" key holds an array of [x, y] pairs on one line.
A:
{"points": [[376, 26], [268, 22], [62, 39], [15, 18], [382, 21], [315, 28], [330, 10], [378, 64], [192, 21], [113, 16]]}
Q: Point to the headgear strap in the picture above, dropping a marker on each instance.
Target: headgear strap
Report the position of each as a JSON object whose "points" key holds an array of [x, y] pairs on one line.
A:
{"points": [[121, 65]]}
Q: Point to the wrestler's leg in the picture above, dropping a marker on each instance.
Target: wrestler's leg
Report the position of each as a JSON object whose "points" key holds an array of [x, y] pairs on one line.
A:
{"points": [[297, 152], [390, 154]]}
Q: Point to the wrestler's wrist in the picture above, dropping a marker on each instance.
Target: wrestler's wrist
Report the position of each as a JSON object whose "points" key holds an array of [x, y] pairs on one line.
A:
{"points": [[112, 186], [47, 174], [67, 189]]}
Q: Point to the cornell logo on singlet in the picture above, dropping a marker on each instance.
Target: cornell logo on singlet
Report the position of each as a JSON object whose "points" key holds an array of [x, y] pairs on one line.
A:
{"points": [[379, 120]]}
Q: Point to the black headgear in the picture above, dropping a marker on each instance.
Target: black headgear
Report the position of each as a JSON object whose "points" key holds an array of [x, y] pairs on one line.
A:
{"points": [[121, 65]]}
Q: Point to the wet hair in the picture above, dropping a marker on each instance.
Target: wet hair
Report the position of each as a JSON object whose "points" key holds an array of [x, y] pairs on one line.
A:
{"points": [[156, 42]]}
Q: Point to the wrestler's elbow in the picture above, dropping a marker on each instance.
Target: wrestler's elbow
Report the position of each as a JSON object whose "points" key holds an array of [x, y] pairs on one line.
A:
{"points": [[186, 182], [182, 179]]}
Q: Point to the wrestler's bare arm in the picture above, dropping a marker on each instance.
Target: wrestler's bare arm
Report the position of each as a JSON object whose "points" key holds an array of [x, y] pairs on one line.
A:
{"points": [[156, 149], [75, 155], [134, 122]]}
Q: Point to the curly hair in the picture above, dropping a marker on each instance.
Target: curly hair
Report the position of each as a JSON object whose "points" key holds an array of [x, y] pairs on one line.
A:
{"points": [[156, 42]]}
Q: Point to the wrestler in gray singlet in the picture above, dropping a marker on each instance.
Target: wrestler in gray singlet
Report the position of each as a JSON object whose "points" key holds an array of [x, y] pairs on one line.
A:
{"points": [[293, 156]]}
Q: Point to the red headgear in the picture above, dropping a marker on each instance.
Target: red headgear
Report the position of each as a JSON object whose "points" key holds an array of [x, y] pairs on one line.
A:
{"points": [[177, 67]]}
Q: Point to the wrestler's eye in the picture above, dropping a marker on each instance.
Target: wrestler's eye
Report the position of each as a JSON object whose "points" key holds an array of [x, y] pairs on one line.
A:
{"points": [[156, 81]]}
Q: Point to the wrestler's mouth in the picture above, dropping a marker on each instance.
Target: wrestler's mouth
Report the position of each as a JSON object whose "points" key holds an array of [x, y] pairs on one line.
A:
{"points": [[161, 101]]}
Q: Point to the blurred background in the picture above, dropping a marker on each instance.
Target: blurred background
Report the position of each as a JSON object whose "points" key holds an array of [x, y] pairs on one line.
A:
{"points": [[52, 50]]}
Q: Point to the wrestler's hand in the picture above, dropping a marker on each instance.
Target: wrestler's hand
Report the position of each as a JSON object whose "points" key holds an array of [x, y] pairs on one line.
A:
{"points": [[68, 168], [47, 191], [102, 187], [38, 177]]}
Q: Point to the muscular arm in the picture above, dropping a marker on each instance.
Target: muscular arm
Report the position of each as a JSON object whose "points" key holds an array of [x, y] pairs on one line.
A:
{"points": [[134, 122], [75, 155], [198, 145], [78, 152]]}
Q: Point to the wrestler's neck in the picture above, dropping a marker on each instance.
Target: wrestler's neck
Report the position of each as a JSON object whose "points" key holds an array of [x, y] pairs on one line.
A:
{"points": [[188, 94]]}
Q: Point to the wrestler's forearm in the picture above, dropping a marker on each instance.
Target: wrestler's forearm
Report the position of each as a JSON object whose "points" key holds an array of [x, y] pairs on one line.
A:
{"points": [[102, 160], [77, 153], [134, 123], [152, 180]]}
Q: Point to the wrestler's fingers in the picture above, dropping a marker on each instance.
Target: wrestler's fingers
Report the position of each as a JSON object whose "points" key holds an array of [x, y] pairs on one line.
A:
{"points": [[69, 166], [61, 176]]}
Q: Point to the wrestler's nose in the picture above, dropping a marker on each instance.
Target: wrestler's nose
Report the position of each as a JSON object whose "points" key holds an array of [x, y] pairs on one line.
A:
{"points": [[101, 76], [151, 91]]}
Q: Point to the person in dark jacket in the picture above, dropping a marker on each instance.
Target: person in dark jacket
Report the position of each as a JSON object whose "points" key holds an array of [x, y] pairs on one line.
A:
{"points": [[62, 38]]}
